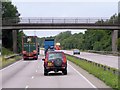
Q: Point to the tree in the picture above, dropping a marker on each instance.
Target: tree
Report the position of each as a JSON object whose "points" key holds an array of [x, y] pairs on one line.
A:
{"points": [[19, 41], [8, 11]]}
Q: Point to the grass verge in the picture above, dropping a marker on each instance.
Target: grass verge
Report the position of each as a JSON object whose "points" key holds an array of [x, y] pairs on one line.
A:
{"points": [[5, 63], [108, 77]]}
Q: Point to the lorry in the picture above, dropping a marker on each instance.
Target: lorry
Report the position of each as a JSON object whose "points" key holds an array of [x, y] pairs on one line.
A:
{"points": [[48, 45], [57, 46], [30, 47]]}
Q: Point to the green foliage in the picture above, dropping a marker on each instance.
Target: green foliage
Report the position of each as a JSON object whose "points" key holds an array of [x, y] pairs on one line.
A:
{"points": [[99, 40], [9, 10], [6, 51], [73, 41], [19, 41], [106, 76], [41, 41], [5, 62], [62, 36], [7, 39]]}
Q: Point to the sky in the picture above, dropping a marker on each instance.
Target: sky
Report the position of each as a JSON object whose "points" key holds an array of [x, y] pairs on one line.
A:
{"points": [[65, 8], [48, 33]]}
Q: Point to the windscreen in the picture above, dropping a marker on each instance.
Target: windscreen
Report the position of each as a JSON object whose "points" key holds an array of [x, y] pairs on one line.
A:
{"points": [[76, 50], [52, 56], [29, 44]]}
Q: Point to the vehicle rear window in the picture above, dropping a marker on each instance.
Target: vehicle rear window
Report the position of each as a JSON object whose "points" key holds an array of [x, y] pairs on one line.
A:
{"points": [[52, 56], [76, 50]]}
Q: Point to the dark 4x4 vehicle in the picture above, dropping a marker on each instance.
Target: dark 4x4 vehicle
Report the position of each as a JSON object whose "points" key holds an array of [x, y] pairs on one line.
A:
{"points": [[55, 61]]}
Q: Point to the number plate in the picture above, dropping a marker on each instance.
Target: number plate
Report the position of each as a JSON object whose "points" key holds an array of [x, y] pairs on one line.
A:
{"points": [[49, 64]]}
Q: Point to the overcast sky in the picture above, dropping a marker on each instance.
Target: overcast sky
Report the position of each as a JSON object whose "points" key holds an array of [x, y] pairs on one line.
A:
{"points": [[65, 8], [48, 33]]}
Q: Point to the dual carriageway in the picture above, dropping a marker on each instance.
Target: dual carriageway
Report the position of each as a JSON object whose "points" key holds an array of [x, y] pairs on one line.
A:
{"points": [[30, 74]]}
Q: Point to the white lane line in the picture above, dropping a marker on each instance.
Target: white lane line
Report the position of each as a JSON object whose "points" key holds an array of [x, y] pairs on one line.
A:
{"points": [[27, 86], [32, 77], [10, 65], [82, 76], [36, 70]]}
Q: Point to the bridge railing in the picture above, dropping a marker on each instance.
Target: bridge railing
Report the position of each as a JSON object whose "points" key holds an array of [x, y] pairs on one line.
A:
{"points": [[58, 20]]}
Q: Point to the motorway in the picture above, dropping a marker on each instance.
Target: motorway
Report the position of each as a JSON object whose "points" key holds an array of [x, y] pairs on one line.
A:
{"points": [[109, 60], [29, 74]]}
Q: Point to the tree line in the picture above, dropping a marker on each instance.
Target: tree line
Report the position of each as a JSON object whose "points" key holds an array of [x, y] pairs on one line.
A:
{"points": [[99, 40]]}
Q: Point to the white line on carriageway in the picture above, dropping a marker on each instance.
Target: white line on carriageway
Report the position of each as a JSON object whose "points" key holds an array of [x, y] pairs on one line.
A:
{"points": [[82, 76]]}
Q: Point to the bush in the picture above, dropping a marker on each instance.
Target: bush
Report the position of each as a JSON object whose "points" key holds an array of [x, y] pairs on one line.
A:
{"points": [[6, 51]]}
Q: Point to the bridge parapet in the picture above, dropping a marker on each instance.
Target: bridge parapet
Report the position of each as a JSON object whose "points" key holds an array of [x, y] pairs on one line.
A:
{"points": [[58, 20]]}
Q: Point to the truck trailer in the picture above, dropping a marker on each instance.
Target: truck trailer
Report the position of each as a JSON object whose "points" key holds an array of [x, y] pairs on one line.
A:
{"points": [[48, 45], [30, 47]]}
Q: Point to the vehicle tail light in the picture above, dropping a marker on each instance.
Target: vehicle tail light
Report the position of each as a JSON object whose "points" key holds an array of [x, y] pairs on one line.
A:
{"points": [[34, 52], [64, 59], [45, 61], [24, 52]]}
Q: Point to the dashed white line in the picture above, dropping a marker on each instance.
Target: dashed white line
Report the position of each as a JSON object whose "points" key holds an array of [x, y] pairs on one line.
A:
{"points": [[32, 77], [36, 70], [27, 86], [83, 76]]}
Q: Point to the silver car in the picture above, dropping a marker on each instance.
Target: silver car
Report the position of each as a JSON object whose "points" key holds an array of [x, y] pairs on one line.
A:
{"points": [[76, 51]]}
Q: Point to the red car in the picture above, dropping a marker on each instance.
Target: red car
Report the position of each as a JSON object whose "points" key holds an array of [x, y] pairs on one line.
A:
{"points": [[55, 61]]}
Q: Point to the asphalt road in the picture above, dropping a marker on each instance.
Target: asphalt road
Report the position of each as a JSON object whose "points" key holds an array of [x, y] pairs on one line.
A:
{"points": [[29, 74], [108, 60]]}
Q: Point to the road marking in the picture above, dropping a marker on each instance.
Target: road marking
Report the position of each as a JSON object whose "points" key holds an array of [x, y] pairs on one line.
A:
{"points": [[10, 65], [82, 76], [36, 70], [27, 86], [32, 77]]}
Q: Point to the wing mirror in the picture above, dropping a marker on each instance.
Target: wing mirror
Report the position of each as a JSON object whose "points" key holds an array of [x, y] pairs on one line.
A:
{"points": [[43, 59]]}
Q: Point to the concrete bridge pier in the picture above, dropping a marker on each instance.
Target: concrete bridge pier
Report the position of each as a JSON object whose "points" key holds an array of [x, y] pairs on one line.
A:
{"points": [[14, 32], [114, 40]]}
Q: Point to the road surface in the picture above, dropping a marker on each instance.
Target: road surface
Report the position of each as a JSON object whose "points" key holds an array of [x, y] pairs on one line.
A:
{"points": [[29, 74], [108, 60]]}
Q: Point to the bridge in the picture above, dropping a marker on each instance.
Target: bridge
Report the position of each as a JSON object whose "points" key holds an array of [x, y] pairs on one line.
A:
{"points": [[60, 23], [64, 23]]}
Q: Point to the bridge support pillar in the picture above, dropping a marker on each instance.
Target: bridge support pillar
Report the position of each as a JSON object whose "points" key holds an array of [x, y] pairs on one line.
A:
{"points": [[114, 40], [14, 34]]}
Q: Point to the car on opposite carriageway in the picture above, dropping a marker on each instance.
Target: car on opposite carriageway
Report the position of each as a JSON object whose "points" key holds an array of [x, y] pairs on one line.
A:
{"points": [[76, 51]]}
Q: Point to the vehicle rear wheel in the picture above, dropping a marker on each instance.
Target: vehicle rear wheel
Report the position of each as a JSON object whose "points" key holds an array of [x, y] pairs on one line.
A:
{"points": [[45, 72], [65, 72], [24, 59], [36, 58]]}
